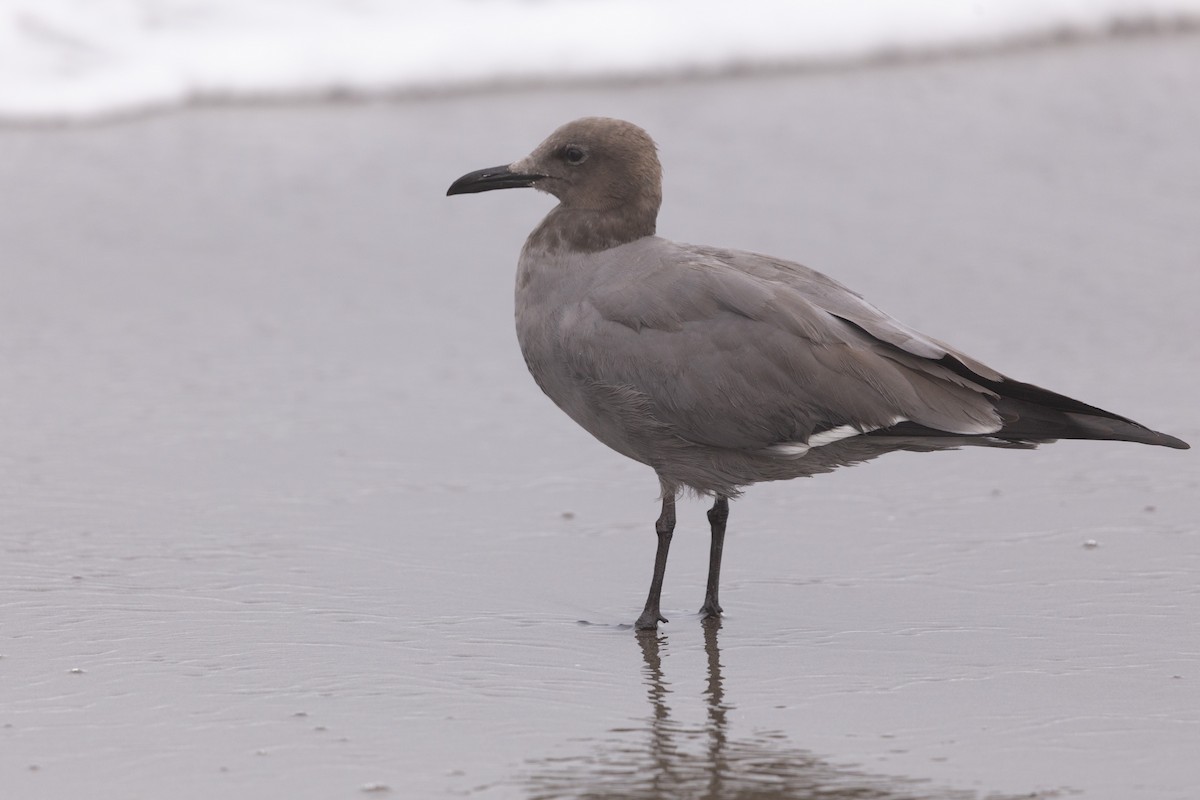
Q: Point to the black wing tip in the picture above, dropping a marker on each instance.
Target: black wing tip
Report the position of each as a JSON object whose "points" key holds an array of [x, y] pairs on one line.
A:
{"points": [[1118, 429], [1174, 442]]}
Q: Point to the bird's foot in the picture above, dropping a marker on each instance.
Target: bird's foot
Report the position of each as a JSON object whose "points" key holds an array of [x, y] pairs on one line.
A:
{"points": [[710, 609], [649, 620]]}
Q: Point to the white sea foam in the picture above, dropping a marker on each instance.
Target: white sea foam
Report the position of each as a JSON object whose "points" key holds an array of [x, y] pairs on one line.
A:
{"points": [[81, 58]]}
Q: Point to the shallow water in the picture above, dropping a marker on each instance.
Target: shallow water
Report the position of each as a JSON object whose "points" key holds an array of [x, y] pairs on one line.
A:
{"points": [[283, 516]]}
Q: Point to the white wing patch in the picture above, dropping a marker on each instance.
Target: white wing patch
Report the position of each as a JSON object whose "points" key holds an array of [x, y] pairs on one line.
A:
{"points": [[798, 449]]}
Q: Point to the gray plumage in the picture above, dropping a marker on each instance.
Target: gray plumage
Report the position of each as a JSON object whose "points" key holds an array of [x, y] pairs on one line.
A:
{"points": [[721, 368]]}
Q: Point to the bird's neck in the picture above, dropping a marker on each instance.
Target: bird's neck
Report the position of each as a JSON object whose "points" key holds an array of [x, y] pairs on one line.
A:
{"points": [[592, 230]]}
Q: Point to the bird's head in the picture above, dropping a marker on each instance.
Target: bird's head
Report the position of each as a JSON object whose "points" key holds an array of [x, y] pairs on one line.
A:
{"points": [[594, 163]]}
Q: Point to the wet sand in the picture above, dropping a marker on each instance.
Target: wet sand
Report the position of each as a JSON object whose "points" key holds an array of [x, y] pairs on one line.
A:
{"points": [[282, 514]]}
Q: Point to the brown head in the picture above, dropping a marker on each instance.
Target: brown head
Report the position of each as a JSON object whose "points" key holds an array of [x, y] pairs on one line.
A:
{"points": [[605, 173]]}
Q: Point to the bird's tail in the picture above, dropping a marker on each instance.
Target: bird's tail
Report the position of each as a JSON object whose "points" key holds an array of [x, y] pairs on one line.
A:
{"points": [[1033, 414], [1029, 421]]}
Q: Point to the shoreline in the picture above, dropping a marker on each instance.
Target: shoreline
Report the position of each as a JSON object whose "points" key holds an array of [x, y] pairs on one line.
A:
{"points": [[1116, 32]]}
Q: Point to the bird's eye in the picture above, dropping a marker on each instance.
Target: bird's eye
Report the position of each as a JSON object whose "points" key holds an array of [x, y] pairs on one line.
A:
{"points": [[574, 155]]}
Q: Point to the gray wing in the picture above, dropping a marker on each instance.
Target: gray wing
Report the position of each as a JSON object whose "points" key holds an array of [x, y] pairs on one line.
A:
{"points": [[735, 350], [848, 305]]}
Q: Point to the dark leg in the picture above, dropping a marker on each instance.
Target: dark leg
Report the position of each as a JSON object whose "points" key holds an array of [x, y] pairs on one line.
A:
{"points": [[716, 520], [665, 528]]}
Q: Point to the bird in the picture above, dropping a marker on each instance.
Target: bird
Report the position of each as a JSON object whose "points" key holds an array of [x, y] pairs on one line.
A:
{"points": [[723, 368]]}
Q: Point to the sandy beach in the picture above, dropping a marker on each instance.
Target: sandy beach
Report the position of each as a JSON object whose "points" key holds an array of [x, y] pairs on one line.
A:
{"points": [[283, 515]]}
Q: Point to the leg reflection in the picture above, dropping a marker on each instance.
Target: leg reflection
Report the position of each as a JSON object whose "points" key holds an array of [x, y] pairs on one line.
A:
{"points": [[661, 737], [663, 756], [714, 700]]}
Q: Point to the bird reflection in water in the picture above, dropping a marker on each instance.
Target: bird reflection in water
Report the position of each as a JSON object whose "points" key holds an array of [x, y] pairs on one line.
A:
{"points": [[680, 761]]}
